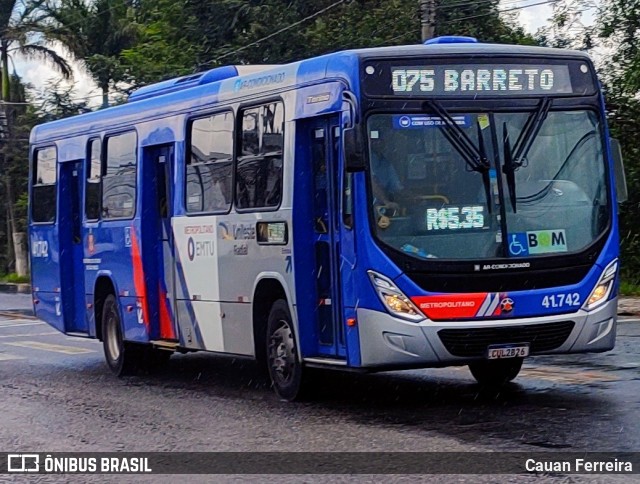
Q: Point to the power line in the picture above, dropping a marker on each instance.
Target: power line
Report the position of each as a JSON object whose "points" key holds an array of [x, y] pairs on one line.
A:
{"points": [[278, 32], [479, 15], [467, 3], [16, 103], [546, 2], [340, 2]]}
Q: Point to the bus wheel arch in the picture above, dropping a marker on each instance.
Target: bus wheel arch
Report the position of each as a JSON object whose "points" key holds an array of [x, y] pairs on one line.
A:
{"points": [[103, 288], [123, 358], [266, 293]]}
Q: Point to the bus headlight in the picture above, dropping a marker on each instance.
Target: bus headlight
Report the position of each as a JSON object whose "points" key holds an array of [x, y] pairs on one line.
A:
{"points": [[393, 299], [601, 292]]}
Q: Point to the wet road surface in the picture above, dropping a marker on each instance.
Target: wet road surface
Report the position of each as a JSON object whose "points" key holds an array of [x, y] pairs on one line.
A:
{"points": [[58, 395]]}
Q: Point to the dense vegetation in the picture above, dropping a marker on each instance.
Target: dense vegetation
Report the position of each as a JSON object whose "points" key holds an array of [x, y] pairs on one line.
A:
{"points": [[124, 44]]}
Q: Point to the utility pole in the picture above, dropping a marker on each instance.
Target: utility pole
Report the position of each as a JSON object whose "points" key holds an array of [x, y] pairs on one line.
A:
{"points": [[428, 18]]}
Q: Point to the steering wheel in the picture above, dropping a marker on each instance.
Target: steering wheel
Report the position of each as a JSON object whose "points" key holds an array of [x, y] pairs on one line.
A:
{"points": [[442, 198]]}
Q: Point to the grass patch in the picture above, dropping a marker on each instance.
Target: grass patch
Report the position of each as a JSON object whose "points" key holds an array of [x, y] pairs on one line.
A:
{"points": [[14, 278], [629, 289]]}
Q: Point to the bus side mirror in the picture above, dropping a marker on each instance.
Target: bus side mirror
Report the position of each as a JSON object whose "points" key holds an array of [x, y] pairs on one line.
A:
{"points": [[352, 136], [618, 170], [353, 152]]}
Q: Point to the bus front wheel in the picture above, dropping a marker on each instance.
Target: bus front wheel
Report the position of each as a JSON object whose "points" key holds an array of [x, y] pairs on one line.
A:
{"points": [[495, 373], [285, 367], [122, 357]]}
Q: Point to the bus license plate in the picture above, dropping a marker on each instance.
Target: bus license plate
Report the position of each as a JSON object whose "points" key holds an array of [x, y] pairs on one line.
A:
{"points": [[498, 352]]}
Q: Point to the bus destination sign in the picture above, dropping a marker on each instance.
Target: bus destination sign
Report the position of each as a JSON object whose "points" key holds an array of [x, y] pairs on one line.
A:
{"points": [[479, 79]]}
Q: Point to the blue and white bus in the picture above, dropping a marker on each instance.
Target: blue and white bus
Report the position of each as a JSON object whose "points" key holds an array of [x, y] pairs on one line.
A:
{"points": [[453, 203]]}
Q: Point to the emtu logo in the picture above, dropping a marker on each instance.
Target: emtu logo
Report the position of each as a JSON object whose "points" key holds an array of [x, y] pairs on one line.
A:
{"points": [[23, 463]]}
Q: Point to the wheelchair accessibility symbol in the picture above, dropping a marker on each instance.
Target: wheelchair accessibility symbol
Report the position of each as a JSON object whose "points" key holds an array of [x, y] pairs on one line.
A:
{"points": [[518, 244]]}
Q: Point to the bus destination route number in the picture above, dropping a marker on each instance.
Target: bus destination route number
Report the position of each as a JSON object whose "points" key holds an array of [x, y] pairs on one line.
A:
{"points": [[481, 79]]}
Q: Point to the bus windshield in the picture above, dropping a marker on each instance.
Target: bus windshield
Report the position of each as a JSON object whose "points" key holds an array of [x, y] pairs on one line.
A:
{"points": [[483, 185]]}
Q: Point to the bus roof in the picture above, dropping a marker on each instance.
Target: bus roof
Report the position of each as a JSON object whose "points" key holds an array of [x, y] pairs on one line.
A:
{"points": [[222, 84]]}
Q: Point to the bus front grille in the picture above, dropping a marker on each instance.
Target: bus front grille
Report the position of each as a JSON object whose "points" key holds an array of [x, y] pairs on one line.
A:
{"points": [[474, 341]]}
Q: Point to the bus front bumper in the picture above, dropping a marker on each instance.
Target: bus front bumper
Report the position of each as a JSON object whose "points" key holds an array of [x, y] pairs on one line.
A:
{"points": [[386, 341]]}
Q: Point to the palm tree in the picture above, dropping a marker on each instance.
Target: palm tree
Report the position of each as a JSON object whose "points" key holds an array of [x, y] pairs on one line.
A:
{"points": [[26, 32], [96, 32]]}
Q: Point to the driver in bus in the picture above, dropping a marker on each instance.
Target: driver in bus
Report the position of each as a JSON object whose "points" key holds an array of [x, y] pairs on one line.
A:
{"points": [[384, 178]]}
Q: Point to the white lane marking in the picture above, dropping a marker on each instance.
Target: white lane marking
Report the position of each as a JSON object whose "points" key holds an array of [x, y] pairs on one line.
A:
{"points": [[80, 338], [14, 324], [27, 335], [7, 357], [67, 350]]}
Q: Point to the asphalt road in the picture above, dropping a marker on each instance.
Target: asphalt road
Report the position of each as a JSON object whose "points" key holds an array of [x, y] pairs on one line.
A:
{"points": [[58, 395]]}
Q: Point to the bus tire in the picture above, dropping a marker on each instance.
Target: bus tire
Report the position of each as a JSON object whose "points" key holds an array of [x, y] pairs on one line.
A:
{"points": [[283, 362], [495, 373], [122, 357]]}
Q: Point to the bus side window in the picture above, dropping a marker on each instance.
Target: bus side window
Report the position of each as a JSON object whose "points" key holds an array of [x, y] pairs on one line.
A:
{"points": [[119, 180], [209, 164], [259, 166], [93, 181], [44, 186]]}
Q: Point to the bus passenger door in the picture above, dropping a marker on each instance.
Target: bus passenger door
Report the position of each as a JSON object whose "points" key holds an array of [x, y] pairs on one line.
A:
{"points": [[71, 260], [157, 240], [319, 296]]}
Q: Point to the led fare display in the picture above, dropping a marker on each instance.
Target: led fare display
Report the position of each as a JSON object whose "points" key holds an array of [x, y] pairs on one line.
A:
{"points": [[481, 79], [455, 218]]}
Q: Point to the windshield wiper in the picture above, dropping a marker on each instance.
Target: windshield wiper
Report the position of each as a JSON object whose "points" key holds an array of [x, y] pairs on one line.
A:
{"points": [[516, 157], [475, 156]]}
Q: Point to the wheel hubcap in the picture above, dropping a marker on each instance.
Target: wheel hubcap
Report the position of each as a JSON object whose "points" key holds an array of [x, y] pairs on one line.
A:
{"points": [[113, 342], [282, 353]]}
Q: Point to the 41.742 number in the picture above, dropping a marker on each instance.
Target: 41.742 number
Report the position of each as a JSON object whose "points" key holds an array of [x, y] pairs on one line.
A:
{"points": [[561, 300]]}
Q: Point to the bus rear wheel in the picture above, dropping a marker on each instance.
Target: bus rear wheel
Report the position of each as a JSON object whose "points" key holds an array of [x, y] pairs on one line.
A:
{"points": [[122, 358], [495, 373], [283, 362]]}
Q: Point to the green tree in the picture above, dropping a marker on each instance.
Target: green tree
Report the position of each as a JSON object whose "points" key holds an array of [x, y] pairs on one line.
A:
{"points": [[24, 31], [96, 33], [624, 121], [166, 46], [567, 29], [14, 149], [619, 22], [191, 35], [618, 29]]}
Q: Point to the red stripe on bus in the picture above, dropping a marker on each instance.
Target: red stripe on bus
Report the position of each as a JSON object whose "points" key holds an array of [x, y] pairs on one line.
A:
{"points": [[138, 277], [166, 325]]}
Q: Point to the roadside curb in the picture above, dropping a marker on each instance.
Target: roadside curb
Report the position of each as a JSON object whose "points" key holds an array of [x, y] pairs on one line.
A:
{"points": [[13, 288], [629, 306]]}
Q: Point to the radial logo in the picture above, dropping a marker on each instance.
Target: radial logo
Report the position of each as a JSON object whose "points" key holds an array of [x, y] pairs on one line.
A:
{"points": [[506, 305]]}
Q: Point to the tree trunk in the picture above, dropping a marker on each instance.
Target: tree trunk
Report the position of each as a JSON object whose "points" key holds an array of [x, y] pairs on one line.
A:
{"points": [[20, 247], [428, 18], [105, 97], [9, 252], [4, 54], [11, 223]]}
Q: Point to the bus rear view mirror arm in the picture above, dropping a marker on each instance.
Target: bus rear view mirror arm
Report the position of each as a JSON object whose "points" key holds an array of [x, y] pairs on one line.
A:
{"points": [[352, 137], [618, 164]]}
